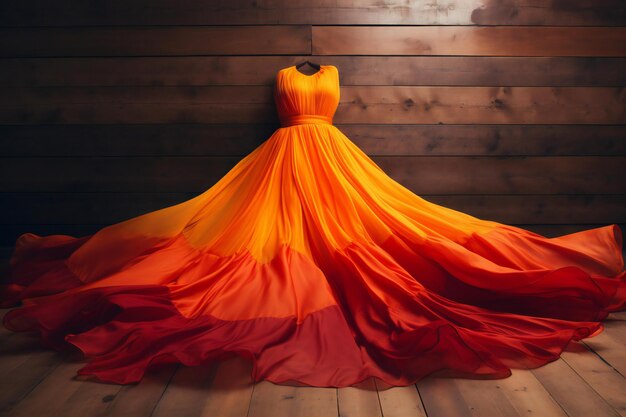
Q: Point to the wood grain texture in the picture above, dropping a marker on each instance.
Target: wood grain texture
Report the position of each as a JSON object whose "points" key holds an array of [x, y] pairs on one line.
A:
{"points": [[454, 40], [373, 139], [359, 104], [138, 400], [344, 12], [60, 394], [353, 70], [22, 368], [423, 175], [320, 40], [576, 397], [213, 389], [482, 105], [153, 40], [271, 400], [601, 376], [359, 400], [400, 401]]}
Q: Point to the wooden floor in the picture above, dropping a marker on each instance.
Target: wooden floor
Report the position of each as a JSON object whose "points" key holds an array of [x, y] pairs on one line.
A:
{"points": [[587, 382]]}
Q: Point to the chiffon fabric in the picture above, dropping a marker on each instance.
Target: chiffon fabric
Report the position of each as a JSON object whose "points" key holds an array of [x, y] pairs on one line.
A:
{"points": [[316, 266]]}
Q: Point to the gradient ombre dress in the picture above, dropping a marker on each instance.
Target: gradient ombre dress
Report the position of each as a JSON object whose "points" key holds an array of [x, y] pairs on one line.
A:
{"points": [[311, 262]]}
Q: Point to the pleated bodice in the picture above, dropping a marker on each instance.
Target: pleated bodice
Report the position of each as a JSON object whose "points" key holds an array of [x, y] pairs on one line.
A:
{"points": [[302, 98]]}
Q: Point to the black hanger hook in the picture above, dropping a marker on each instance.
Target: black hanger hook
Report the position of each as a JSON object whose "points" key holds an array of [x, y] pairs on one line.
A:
{"points": [[314, 65]]}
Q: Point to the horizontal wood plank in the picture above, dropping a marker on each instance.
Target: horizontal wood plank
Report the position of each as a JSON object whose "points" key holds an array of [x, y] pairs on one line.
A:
{"points": [[138, 140], [443, 175], [320, 40], [154, 40], [359, 104], [344, 12], [487, 140], [373, 139], [353, 70], [482, 105], [456, 40]]}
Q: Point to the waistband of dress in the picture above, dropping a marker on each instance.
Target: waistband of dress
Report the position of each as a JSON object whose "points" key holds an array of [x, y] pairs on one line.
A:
{"points": [[300, 119]]}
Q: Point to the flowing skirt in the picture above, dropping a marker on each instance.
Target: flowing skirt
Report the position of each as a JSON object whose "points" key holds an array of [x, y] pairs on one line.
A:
{"points": [[311, 262]]}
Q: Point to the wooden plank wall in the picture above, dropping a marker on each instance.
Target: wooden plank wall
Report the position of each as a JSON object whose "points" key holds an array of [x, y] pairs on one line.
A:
{"points": [[511, 110]]}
